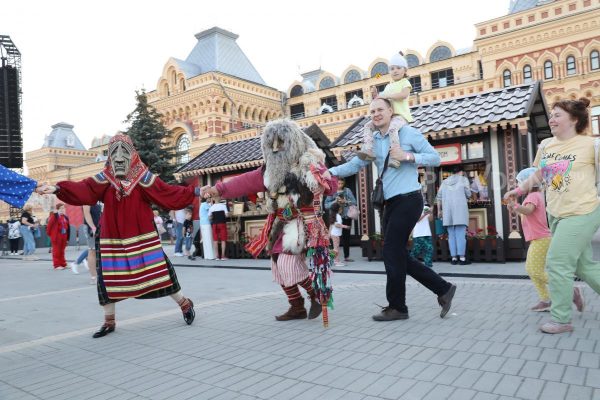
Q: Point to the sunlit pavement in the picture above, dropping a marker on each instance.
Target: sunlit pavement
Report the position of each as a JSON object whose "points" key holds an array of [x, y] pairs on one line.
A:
{"points": [[488, 347]]}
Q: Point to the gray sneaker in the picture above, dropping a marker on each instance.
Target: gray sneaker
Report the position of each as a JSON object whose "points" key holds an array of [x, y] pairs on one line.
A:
{"points": [[390, 314]]}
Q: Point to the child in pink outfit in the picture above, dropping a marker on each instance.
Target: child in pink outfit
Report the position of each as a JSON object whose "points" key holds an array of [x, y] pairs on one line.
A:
{"points": [[537, 233]]}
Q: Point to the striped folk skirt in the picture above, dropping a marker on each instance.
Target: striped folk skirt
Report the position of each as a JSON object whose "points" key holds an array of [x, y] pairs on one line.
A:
{"points": [[136, 267], [289, 269]]}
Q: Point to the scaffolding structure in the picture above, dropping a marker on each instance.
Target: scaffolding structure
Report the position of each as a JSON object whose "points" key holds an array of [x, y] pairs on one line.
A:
{"points": [[10, 57]]}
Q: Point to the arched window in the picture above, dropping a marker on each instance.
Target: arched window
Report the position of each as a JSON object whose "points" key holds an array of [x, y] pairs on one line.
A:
{"points": [[380, 68], [571, 67], [412, 60], [440, 53], [507, 78], [527, 76], [183, 149], [352, 76], [548, 72], [296, 91], [594, 60], [326, 83]]}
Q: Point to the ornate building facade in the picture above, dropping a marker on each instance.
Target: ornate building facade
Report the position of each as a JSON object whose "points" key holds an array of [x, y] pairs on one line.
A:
{"points": [[556, 42], [216, 95]]}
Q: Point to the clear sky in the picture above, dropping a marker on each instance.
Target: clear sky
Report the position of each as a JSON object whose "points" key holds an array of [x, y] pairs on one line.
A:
{"points": [[83, 60]]}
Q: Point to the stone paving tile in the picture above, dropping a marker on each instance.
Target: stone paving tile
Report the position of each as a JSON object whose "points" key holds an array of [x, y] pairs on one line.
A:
{"points": [[554, 391], [576, 392], [238, 351], [398, 389], [462, 394], [379, 386]]}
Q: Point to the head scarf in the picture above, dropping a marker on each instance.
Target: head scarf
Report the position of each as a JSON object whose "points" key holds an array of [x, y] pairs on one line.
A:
{"points": [[137, 169]]}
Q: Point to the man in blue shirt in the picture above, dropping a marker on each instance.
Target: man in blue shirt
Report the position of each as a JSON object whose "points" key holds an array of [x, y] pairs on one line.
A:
{"points": [[403, 206]]}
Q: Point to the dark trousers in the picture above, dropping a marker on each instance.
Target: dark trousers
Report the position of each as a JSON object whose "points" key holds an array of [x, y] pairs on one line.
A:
{"points": [[400, 216], [14, 245], [345, 239]]}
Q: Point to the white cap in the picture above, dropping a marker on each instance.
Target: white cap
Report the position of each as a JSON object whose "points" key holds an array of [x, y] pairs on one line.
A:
{"points": [[398, 61]]}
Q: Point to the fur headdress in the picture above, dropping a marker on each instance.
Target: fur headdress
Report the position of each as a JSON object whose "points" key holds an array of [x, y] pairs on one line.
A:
{"points": [[287, 149]]}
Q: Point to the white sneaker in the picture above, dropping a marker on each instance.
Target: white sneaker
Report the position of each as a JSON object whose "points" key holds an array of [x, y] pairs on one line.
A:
{"points": [[74, 268], [85, 265], [178, 254], [92, 281]]}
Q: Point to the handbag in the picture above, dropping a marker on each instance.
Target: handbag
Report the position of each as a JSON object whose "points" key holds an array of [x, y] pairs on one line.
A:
{"points": [[440, 229], [353, 212], [377, 199]]}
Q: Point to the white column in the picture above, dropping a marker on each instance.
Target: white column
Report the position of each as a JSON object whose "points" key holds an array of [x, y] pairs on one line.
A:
{"points": [[498, 180]]}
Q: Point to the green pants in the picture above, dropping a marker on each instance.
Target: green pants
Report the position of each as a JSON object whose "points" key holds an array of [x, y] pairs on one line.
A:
{"points": [[423, 247], [570, 254]]}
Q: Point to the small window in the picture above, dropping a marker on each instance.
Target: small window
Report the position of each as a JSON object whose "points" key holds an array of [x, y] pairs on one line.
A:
{"points": [[183, 148], [548, 72], [527, 76], [594, 60], [296, 91], [441, 79], [412, 60], [507, 78], [415, 82], [475, 150], [326, 83], [571, 68], [352, 76], [381, 88], [440, 53], [596, 120], [380, 68], [328, 104], [357, 96]]}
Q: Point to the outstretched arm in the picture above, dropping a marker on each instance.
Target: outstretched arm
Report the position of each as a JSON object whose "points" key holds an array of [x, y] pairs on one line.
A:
{"points": [[350, 168], [170, 197], [250, 182], [85, 192]]}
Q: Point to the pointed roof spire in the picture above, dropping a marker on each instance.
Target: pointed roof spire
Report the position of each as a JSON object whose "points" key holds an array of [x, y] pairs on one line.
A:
{"points": [[218, 51]]}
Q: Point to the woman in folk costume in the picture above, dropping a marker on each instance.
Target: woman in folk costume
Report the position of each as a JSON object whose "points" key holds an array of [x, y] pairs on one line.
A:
{"points": [[295, 178], [58, 231], [131, 262]]}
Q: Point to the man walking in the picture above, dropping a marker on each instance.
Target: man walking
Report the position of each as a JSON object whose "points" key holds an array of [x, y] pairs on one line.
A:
{"points": [[403, 207]]}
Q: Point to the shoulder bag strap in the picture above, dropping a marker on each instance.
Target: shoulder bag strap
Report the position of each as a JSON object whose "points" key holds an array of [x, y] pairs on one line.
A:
{"points": [[385, 165]]}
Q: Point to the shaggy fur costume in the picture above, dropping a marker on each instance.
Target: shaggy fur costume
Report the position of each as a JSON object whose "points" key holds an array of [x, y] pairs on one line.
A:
{"points": [[291, 158]]}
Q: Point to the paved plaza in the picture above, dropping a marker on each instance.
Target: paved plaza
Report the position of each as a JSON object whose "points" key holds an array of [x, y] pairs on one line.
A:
{"points": [[488, 347]]}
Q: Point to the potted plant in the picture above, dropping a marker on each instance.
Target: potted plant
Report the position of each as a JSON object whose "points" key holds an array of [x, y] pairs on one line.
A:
{"points": [[375, 246], [492, 235]]}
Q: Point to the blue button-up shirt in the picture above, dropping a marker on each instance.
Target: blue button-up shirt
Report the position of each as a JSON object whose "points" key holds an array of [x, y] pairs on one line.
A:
{"points": [[396, 180]]}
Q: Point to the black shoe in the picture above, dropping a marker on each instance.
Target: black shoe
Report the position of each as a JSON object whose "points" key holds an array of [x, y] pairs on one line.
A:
{"points": [[464, 262], [454, 261], [390, 314], [446, 300], [190, 314], [104, 330]]}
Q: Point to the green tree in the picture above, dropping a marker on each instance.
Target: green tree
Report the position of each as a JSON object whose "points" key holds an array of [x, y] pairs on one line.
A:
{"points": [[149, 136]]}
